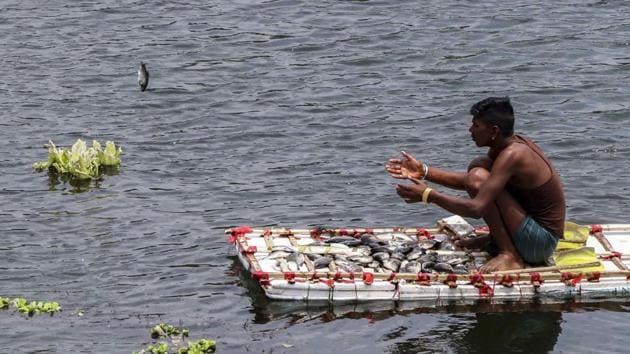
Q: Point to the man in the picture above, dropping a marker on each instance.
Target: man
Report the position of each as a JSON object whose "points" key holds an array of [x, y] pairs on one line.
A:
{"points": [[515, 189]]}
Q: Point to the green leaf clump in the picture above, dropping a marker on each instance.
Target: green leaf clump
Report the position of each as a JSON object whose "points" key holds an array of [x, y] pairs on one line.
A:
{"points": [[80, 161], [167, 330], [30, 308], [175, 336], [4, 302]]}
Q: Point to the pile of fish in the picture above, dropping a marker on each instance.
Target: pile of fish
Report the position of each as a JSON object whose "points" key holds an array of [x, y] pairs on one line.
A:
{"points": [[380, 253]]}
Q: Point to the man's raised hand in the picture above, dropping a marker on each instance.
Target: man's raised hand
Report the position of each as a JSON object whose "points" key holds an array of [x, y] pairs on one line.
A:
{"points": [[406, 168]]}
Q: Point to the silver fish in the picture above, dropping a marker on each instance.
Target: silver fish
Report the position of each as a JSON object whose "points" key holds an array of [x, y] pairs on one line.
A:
{"points": [[278, 254], [348, 266], [143, 77], [295, 261], [363, 260], [392, 264], [411, 267]]}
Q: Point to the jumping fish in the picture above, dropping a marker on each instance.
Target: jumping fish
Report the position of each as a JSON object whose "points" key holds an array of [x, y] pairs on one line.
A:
{"points": [[143, 77]]}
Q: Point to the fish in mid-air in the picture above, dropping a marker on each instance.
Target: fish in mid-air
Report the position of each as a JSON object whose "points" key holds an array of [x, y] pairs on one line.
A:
{"points": [[143, 77]]}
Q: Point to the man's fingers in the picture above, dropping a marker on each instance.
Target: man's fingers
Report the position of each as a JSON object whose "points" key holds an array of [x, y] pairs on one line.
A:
{"points": [[396, 161]]}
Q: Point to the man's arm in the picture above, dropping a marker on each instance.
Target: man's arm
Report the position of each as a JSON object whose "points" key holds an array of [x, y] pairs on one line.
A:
{"points": [[450, 179], [502, 170], [408, 167]]}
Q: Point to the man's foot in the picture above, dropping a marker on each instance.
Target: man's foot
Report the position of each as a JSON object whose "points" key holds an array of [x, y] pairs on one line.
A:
{"points": [[504, 261], [472, 243]]}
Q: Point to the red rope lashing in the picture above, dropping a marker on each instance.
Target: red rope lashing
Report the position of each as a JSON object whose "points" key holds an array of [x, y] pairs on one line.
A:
{"points": [[329, 282], [477, 280], [289, 277], [342, 232], [316, 234], [369, 231], [237, 232], [267, 232], [422, 232], [368, 278], [507, 281], [396, 229], [392, 276], [451, 280], [595, 228], [262, 277], [570, 279], [423, 279], [536, 279], [337, 276], [593, 277], [250, 250], [613, 254], [486, 290]]}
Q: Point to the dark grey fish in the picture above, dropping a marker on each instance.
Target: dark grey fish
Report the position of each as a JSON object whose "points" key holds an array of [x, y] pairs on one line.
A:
{"points": [[381, 256], [443, 267], [322, 262], [352, 243], [143, 77], [460, 269], [397, 255], [415, 253], [381, 248], [340, 239], [427, 257], [427, 267], [404, 249]]}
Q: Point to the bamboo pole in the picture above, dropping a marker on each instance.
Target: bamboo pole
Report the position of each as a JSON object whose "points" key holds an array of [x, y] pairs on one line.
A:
{"points": [[547, 269], [349, 230], [442, 277]]}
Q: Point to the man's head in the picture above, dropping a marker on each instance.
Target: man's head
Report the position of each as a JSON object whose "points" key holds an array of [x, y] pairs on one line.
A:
{"points": [[495, 111]]}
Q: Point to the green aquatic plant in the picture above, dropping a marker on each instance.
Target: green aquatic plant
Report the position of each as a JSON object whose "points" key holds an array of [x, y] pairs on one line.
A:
{"points": [[202, 346], [30, 308], [4, 302], [167, 330], [175, 336], [80, 161], [35, 307]]}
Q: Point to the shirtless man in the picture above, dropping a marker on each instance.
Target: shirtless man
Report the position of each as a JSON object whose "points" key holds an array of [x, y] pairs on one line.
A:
{"points": [[515, 189]]}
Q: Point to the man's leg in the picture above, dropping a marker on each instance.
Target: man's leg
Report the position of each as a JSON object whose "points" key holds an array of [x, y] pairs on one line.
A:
{"points": [[503, 218]]}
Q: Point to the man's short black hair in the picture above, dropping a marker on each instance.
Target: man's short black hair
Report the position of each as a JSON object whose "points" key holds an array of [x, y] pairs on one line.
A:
{"points": [[496, 111]]}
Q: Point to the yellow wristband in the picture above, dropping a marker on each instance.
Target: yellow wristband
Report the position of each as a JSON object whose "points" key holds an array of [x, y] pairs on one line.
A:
{"points": [[425, 195]]}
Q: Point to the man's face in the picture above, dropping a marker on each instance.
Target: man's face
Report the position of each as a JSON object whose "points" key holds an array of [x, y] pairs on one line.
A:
{"points": [[480, 132]]}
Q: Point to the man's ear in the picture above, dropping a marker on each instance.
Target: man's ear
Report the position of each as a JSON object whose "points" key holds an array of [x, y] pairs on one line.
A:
{"points": [[496, 131]]}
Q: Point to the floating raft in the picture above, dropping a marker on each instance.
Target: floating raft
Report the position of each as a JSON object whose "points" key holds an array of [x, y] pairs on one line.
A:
{"points": [[611, 245]]}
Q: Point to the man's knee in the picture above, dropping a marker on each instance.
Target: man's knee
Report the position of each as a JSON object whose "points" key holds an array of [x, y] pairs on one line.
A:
{"points": [[475, 178], [482, 161]]}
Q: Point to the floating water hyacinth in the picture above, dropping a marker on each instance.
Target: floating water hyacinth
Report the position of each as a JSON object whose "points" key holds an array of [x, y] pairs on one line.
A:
{"points": [[175, 342], [30, 308], [80, 161]]}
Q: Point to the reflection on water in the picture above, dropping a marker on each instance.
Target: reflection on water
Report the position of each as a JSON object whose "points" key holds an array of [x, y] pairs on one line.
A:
{"points": [[475, 326]]}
